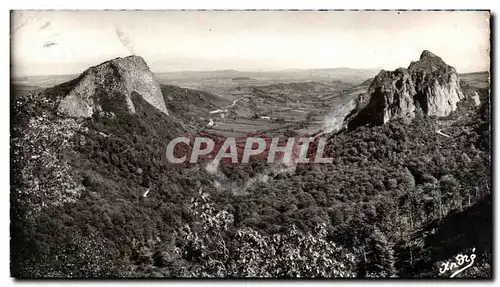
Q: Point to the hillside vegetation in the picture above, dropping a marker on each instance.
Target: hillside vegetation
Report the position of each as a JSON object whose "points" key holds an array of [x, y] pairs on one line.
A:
{"points": [[398, 198]]}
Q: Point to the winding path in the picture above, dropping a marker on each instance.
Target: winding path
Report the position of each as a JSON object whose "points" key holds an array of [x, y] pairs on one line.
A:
{"points": [[441, 133], [224, 109]]}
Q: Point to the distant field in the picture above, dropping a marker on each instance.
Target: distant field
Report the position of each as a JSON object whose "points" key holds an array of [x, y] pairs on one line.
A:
{"points": [[19, 88], [305, 108], [478, 80], [269, 102], [42, 81]]}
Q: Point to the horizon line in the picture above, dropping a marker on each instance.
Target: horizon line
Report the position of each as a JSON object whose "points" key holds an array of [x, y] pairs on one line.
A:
{"points": [[207, 71], [232, 70]]}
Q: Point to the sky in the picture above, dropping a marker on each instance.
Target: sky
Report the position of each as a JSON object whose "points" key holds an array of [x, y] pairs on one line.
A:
{"points": [[68, 42]]}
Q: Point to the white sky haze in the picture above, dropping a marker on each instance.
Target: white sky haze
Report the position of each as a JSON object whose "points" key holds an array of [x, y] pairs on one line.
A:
{"points": [[68, 42]]}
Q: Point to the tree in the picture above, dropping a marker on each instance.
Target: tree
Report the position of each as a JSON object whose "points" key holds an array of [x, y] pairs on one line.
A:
{"points": [[382, 258], [217, 252]]}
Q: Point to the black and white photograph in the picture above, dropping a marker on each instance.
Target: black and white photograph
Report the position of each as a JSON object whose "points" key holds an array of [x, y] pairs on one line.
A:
{"points": [[265, 144]]}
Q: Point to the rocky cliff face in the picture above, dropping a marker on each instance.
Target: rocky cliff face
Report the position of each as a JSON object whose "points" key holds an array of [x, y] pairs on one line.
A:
{"points": [[437, 85], [428, 86], [108, 87]]}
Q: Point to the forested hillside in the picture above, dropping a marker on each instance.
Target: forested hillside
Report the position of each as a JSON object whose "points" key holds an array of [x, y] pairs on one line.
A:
{"points": [[80, 211]]}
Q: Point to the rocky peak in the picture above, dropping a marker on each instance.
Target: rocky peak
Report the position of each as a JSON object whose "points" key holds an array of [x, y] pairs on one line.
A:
{"points": [[427, 54], [108, 87], [437, 85], [429, 61], [429, 86]]}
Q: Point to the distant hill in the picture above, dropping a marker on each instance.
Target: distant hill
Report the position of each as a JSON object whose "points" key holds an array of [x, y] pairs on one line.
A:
{"points": [[191, 106], [43, 81], [351, 76], [241, 79], [480, 80], [367, 83], [348, 75]]}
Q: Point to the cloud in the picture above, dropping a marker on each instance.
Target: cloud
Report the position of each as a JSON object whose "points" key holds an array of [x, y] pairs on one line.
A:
{"points": [[49, 44], [26, 21], [125, 40], [44, 26]]}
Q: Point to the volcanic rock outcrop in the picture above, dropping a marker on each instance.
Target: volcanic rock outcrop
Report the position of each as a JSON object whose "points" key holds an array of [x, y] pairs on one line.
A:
{"points": [[429, 86], [109, 87]]}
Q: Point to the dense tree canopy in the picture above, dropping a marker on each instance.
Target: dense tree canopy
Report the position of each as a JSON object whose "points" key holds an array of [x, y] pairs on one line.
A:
{"points": [[78, 207]]}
